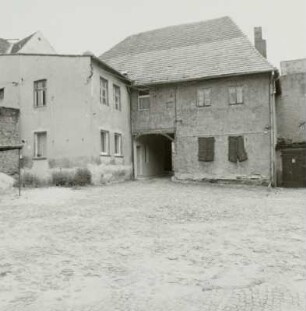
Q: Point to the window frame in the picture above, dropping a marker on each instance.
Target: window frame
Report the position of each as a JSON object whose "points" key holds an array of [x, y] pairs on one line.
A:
{"points": [[236, 88], [117, 87], [36, 140], [37, 89], [102, 88], [205, 99], [2, 93], [144, 96], [118, 154], [107, 152]]}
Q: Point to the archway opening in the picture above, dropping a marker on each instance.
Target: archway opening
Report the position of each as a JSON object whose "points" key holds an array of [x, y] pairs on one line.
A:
{"points": [[153, 156]]}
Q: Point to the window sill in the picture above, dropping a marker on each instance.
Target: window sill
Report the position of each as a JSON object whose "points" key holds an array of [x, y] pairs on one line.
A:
{"points": [[104, 155], [118, 155], [39, 158], [40, 107], [236, 104], [206, 106]]}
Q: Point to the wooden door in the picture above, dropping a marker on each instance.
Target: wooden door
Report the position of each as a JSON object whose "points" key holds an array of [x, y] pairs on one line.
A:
{"points": [[294, 167]]}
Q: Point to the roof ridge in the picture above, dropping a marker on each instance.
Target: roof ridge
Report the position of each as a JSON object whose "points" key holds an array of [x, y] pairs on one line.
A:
{"points": [[180, 25]]}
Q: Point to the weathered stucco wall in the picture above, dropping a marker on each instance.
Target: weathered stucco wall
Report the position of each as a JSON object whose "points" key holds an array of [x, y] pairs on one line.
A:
{"points": [[221, 120], [107, 118], [291, 103], [73, 115], [252, 120], [9, 135], [161, 114]]}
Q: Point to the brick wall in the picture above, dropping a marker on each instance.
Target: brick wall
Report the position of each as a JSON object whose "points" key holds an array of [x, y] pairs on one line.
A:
{"points": [[9, 135]]}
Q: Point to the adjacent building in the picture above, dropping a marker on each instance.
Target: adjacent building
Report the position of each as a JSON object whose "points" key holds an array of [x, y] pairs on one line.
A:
{"points": [[74, 110], [291, 124], [202, 102]]}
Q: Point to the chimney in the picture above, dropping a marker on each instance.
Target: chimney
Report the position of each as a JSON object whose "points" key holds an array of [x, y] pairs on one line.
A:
{"points": [[260, 43]]}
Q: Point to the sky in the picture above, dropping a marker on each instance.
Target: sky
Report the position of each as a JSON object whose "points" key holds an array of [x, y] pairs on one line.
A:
{"points": [[76, 26]]}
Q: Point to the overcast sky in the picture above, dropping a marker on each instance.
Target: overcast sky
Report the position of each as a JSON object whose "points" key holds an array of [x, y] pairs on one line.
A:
{"points": [[75, 26]]}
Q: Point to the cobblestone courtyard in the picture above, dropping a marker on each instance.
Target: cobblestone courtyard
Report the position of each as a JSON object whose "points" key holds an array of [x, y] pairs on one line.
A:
{"points": [[153, 245]]}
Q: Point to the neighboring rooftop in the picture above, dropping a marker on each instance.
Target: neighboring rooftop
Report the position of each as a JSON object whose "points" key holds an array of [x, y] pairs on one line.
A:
{"points": [[206, 49], [35, 43], [20, 44], [293, 66], [4, 45]]}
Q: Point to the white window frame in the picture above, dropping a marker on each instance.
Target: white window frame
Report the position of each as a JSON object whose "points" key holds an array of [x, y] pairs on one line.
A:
{"points": [[40, 93], [141, 97], [117, 95], [107, 143], [205, 94], [118, 146], [104, 87], [36, 145], [236, 89]]}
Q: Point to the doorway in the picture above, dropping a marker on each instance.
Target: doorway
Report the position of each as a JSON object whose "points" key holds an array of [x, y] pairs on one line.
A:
{"points": [[154, 155]]}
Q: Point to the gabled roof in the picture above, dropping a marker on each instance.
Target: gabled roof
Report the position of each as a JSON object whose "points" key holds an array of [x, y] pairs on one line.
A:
{"points": [[187, 52], [20, 44], [4, 45]]}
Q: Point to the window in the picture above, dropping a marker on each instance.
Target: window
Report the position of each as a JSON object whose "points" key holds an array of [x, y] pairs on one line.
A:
{"points": [[1, 94], [206, 149], [40, 145], [203, 97], [103, 91], [118, 144], [236, 150], [143, 100], [104, 142], [235, 95], [40, 93], [117, 97]]}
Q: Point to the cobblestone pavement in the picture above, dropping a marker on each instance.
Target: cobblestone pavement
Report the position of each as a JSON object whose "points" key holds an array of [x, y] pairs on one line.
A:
{"points": [[155, 246]]}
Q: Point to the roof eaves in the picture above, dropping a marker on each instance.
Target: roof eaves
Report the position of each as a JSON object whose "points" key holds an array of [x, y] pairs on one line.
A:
{"points": [[111, 69], [202, 78]]}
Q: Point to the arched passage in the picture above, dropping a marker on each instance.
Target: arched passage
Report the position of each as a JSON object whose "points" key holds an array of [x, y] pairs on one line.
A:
{"points": [[153, 155]]}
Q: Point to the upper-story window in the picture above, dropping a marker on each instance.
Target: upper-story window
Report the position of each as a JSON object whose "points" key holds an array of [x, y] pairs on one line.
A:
{"points": [[235, 95], [40, 93], [2, 93], [144, 100], [103, 91], [204, 97], [117, 97]]}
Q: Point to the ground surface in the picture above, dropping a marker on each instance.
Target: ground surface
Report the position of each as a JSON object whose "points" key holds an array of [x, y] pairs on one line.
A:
{"points": [[153, 246]]}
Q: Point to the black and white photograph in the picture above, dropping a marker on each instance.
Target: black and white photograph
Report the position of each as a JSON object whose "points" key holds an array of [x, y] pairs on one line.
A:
{"points": [[153, 155]]}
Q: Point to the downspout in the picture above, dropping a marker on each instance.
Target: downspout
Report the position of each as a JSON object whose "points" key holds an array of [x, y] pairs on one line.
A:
{"points": [[272, 130], [132, 138]]}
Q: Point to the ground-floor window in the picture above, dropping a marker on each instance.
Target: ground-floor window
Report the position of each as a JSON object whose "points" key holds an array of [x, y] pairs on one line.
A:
{"points": [[118, 144], [104, 142], [40, 144], [206, 149], [236, 149]]}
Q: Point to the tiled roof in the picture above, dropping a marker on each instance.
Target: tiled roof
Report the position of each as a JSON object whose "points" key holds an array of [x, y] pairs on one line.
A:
{"points": [[20, 44], [186, 52], [4, 45]]}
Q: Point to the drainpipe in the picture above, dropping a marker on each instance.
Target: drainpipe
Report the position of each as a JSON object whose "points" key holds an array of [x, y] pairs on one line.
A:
{"points": [[272, 130], [132, 138]]}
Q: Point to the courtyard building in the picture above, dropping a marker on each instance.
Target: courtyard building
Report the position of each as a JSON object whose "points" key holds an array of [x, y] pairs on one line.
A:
{"points": [[202, 102]]}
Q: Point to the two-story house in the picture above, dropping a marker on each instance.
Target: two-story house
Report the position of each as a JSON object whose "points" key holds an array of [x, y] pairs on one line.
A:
{"points": [[74, 110], [202, 102]]}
